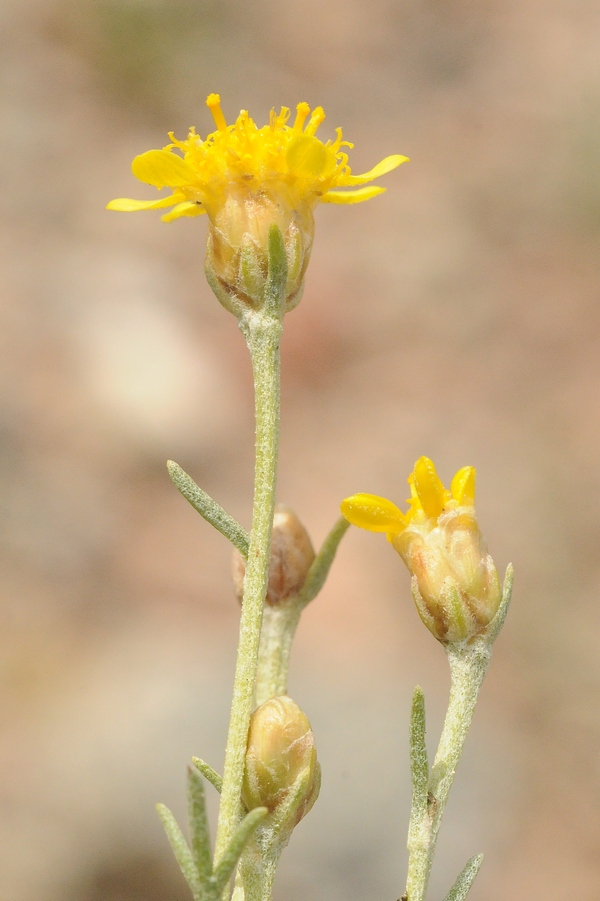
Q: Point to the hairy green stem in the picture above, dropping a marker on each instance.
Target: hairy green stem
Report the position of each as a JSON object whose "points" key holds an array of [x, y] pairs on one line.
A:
{"points": [[468, 667], [278, 630], [262, 331], [469, 664], [281, 621], [257, 870]]}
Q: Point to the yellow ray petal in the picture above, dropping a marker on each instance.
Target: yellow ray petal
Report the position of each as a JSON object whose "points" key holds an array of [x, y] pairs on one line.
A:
{"points": [[357, 196], [428, 487], [413, 500], [382, 168], [463, 486], [367, 511], [127, 205], [187, 208], [162, 168]]}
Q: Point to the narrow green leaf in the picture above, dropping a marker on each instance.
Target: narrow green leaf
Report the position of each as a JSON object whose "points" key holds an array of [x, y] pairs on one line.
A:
{"points": [[277, 278], [199, 830], [321, 565], [287, 811], [181, 851], [226, 866], [419, 765], [209, 509], [496, 624], [208, 773], [461, 887]]}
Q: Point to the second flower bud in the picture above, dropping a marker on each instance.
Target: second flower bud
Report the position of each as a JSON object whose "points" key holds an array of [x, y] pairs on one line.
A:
{"points": [[292, 554], [281, 760]]}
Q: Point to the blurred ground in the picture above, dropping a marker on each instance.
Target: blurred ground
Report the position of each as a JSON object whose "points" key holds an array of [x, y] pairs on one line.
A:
{"points": [[456, 316]]}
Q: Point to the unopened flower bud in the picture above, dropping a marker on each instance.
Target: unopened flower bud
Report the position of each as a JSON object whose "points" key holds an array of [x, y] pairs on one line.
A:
{"points": [[456, 586], [292, 554], [280, 756]]}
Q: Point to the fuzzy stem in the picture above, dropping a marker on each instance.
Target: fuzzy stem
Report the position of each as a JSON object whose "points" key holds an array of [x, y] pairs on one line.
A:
{"points": [[258, 869], [468, 666], [469, 663], [278, 630], [281, 620], [262, 331]]}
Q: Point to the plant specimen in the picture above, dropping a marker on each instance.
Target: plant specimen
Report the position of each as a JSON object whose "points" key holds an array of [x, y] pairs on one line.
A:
{"points": [[259, 187]]}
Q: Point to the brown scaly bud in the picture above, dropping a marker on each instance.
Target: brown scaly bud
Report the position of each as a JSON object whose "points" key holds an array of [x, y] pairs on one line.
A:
{"points": [[280, 758], [292, 554]]}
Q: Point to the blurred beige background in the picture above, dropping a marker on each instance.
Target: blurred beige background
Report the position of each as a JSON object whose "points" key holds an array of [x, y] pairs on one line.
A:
{"points": [[456, 316]]}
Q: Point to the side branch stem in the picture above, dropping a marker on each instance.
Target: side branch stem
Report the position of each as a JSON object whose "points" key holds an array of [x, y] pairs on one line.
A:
{"points": [[278, 630], [468, 666], [262, 331]]}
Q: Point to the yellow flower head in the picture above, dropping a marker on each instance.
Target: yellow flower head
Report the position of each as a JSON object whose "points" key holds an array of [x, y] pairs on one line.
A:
{"points": [[455, 583], [247, 179]]}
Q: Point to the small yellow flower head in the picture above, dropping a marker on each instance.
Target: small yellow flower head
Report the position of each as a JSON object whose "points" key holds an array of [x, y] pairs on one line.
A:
{"points": [[455, 583], [281, 760], [248, 179]]}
